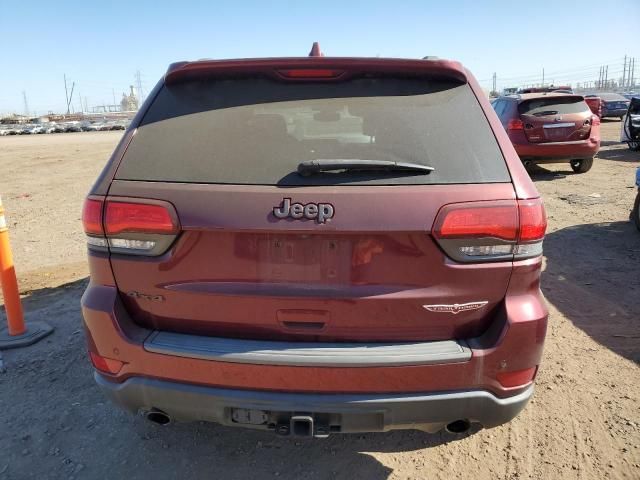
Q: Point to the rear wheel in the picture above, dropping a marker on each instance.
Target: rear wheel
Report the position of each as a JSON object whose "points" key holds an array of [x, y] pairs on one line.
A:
{"points": [[635, 214], [634, 146], [581, 166]]}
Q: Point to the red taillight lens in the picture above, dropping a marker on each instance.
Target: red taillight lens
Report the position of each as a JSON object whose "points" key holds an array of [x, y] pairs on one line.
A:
{"points": [[533, 220], [515, 124], [311, 73], [492, 230], [106, 365], [92, 216], [517, 378], [478, 220], [126, 217]]}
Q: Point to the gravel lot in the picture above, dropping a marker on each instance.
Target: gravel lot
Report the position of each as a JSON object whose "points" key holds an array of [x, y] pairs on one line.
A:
{"points": [[583, 423]]}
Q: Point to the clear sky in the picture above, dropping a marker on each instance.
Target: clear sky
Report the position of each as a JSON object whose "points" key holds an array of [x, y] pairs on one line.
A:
{"points": [[100, 45]]}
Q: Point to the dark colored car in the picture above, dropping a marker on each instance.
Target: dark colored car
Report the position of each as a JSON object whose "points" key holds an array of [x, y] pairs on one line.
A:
{"points": [[613, 104], [551, 128], [631, 125], [310, 246]]}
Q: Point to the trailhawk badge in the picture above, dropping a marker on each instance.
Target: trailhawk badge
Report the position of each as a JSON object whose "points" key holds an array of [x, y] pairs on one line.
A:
{"points": [[456, 308], [321, 212]]}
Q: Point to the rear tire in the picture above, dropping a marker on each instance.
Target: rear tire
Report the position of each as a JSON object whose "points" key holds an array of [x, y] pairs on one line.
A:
{"points": [[634, 146], [635, 213], [581, 166]]}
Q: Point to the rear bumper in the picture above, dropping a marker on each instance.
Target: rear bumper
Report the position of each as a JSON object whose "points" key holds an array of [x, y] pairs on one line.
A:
{"points": [[345, 413], [554, 152], [158, 370]]}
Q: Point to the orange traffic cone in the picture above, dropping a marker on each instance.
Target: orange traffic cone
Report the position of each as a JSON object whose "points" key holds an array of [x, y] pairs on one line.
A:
{"points": [[16, 334]]}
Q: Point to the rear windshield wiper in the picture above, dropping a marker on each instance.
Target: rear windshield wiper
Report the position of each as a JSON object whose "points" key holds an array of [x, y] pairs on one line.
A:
{"points": [[321, 165]]}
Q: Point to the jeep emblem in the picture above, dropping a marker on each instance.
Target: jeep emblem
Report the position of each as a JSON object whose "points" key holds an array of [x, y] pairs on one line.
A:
{"points": [[321, 212]]}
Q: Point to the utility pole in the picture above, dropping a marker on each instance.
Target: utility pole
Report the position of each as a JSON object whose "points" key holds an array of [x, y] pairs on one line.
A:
{"points": [[599, 76], [73, 85], [26, 104], [542, 77], [624, 72], [494, 82], [66, 92], [113, 91]]}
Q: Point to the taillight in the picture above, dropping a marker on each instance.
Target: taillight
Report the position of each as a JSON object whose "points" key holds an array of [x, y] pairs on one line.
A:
{"points": [[126, 217], [515, 124], [92, 216], [142, 227], [492, 230]]}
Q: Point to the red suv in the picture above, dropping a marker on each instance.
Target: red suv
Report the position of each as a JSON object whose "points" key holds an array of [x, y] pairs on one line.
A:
{"points": [[311, 245], [551, 128]]}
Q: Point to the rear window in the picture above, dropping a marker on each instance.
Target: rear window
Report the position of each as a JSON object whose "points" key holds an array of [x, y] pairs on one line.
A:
{"points": [[553, 106], [255, 131]]}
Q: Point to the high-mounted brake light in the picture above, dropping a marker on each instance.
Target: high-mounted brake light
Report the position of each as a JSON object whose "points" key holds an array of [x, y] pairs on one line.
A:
{"points": [[310, 73], [491, 230], [515, 124], [142, 227]]}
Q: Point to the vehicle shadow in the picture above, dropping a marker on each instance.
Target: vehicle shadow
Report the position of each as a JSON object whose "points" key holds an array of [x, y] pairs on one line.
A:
{"points": [[608, 143], [540, 174], [52, 406], [619, 154], [592, 277]]}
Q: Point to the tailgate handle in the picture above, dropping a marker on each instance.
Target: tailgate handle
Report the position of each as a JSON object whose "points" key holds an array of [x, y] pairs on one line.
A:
{"points": [[303, 320]]}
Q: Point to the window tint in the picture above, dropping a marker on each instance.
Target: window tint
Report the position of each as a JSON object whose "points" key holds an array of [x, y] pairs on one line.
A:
{"points": [[500, 106], [256, 131], [553, 106]]}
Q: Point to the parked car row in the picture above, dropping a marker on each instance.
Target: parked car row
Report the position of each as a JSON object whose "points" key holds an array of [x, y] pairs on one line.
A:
{"points": [[32, 129]]}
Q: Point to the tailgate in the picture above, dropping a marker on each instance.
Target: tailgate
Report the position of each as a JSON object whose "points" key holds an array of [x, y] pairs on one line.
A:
{"points": [[368, 275]]}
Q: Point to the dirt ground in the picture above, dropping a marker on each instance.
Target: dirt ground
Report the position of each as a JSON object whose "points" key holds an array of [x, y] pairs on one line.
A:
{"points": [[583, 423]]}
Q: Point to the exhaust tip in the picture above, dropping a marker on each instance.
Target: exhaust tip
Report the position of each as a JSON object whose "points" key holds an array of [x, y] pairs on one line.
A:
{"points": [[158, 417], [458, 427]]}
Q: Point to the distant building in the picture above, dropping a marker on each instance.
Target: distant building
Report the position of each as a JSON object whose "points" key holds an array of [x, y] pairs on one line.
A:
{"points": [[129, 103]]}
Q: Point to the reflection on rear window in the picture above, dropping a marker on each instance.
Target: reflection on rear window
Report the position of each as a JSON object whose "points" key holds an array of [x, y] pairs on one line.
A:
{"points": [[553, 106], [256, 131]]}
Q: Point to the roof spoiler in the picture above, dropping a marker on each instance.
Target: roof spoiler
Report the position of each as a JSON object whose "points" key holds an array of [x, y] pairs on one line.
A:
{"points": [[182, 71]]}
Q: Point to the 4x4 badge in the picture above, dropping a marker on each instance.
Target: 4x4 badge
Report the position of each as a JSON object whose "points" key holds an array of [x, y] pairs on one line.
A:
{"points": [[456, 307], [321, 212]]}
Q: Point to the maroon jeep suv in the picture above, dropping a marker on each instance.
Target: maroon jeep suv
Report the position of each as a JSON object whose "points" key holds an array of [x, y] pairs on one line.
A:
{"points": [[316, 245]]}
